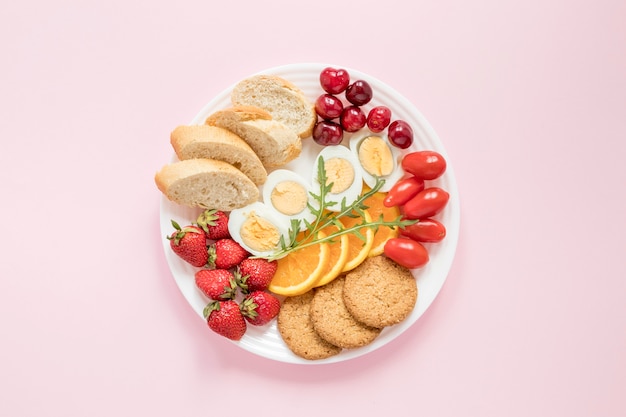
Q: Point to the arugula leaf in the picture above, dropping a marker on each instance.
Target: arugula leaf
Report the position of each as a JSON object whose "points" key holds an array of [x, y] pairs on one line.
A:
{"points": [[324, 218]]}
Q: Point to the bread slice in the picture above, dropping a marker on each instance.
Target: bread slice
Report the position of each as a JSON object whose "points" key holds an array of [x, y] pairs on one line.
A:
{"points": [[206, 183], [273, 142], [211, 142], [279, 97]]}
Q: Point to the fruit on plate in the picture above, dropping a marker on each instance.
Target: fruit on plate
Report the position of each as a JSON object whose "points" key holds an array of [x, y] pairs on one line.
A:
{"points": [[189, 243], [406, 252], [376, 209], [300, 270], [255, 274], [327, 133], [402, 191], [426, 165], [400, 134], [378, 118], [359, 93], [225, 318], [337, 257], [328, 107], [334, 80], [352, 119], [214, 223], [426, 203], [259, 307], [217, 284], [226, 254], [360, 242], [426, 230]]}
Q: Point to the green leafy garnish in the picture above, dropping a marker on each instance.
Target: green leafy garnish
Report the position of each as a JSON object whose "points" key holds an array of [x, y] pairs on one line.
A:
{"points": [[325, 218]]}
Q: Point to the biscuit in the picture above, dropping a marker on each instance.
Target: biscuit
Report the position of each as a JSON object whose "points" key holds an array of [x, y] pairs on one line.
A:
{"points": [[379, 292], [334, 323], [296, 329]]}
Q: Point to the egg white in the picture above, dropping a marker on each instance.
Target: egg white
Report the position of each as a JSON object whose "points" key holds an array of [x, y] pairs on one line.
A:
{"points": [[281, 175], [354, 191], [369, 179], [238, 216]]}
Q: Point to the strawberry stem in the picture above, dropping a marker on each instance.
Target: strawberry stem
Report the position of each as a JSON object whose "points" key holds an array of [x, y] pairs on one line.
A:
{"points": [[212, 306]]}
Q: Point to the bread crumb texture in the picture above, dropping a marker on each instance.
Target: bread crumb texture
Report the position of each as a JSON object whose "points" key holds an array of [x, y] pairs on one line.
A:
{"points": [[273, 142], [283, 100], [212, 142], [206, 183]]}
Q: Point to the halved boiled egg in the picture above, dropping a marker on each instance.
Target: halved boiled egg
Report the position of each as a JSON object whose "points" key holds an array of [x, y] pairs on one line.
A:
{"points": [[290, 195], [258, 229], [377, 158], [343, 173]]}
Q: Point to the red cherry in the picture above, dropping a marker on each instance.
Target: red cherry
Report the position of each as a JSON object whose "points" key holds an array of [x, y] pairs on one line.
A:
{"points": [[328, 106], [400, 134], [333, 80], [378, 118], [352, 119], [359, 93], [327, 133]]}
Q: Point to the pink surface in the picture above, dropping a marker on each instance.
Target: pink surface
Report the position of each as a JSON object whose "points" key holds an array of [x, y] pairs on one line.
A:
{"points": [[529, 99]]}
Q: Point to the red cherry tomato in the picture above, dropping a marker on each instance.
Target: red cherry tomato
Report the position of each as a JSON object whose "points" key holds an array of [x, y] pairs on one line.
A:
{"points": [[426, 165], [426, 203], [427, 230], [402, 191], [407, 252]]}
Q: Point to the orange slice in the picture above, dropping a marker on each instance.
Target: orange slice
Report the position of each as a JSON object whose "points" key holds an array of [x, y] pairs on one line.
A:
{"points": [[382, 234], [301, 269], [339, 248], [359, 249]]}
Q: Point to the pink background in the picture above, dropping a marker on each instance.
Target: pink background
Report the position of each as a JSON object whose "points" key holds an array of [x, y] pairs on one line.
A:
{"points": [[529, 98]]}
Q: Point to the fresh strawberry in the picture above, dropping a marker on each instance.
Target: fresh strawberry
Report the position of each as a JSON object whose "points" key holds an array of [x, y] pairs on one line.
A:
{"points": [[217, 284], [189, 243], [226, 254], [260, 307], [254, 274], [225, 318], [214, 223]]}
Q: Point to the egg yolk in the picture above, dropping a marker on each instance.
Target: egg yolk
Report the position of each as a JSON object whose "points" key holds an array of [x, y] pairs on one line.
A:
{"points": [[375, 156], [340, 173], [289, 197], [259, 234]]}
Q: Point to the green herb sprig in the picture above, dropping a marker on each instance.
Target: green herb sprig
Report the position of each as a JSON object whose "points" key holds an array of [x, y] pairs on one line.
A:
{"points": [[325, 218]]}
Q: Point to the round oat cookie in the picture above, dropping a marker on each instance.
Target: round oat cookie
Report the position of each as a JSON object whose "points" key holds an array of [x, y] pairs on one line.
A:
{"points": [[334, 323], [296, 329], [379, 292]]}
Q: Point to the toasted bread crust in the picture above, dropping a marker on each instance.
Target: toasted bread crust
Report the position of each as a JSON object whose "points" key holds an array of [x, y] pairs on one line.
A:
{"points": [[282, 99], [206, 183], [211, 142], [239, 114], [273, 142]]}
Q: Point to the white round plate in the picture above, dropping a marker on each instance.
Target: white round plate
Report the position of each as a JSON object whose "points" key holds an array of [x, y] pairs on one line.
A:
{"points": [[265, 340]]}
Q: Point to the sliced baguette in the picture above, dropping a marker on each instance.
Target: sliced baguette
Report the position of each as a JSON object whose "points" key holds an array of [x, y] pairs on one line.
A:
{"points": [[212, 142], [279, 97], [273, 142], [206, 183]]}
